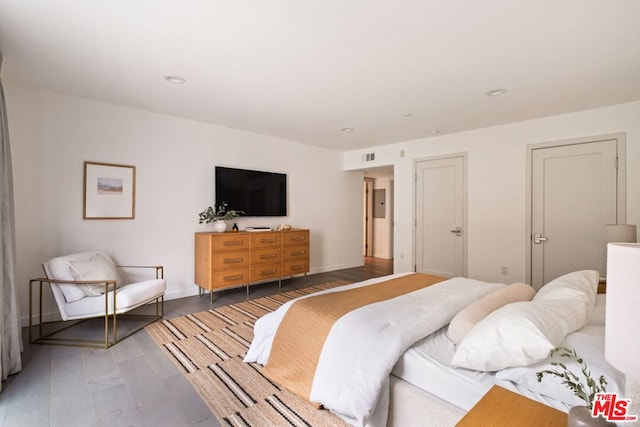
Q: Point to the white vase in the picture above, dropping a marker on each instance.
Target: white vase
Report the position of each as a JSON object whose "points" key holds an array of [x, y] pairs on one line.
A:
{"points": [[220, 226], [580, 416]]}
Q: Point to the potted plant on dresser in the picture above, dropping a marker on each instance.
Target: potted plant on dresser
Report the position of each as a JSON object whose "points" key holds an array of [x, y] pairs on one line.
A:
{"points": [[218, 216]]}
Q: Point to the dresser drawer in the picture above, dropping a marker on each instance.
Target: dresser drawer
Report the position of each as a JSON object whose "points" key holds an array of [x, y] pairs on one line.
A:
{"points": [[266, 271], [295, 267], [229, 242], [265, 239], [268, 255], [296, 252], [225, 260], [295, 238], [230, 277]]}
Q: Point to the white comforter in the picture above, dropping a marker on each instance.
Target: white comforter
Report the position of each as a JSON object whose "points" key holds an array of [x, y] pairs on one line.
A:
{"points": [[364, 345]]}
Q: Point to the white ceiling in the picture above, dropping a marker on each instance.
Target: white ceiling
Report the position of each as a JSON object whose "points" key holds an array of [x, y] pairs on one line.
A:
{"points": [[302, 70]]}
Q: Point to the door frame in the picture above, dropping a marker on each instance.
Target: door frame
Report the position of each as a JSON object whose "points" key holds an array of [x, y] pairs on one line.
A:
{"points": [[621, 197], [465, 202], [368, 216]]}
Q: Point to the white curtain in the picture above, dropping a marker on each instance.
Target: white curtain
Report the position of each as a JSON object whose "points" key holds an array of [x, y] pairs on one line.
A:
{"points": [[10, 334]]}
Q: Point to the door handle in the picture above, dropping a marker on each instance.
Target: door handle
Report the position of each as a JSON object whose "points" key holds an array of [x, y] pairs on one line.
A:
{"points": [[538, 238], [457, 231]]}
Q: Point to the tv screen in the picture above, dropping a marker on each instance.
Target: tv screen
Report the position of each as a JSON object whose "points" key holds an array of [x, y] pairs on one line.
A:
{"points": [[257, 193]]}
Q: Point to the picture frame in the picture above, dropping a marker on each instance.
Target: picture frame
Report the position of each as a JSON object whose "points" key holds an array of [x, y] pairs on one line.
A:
{"points": [[109, 191]]}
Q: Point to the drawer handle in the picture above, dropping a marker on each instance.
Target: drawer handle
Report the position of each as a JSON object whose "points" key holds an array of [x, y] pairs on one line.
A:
{"points": [[297, 267], [297, 252], [265, 272], [232, 278], [268, 240], [297, 239], [268, 256], [234, 243], [233, 260]]}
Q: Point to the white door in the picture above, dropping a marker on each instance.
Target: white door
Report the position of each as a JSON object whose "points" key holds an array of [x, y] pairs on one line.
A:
{"points": [[440, 216], [574, 195]]}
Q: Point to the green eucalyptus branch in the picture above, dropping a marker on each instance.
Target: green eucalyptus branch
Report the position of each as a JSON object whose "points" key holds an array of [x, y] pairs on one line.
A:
{"points": [[584, 390], [222, 212]]}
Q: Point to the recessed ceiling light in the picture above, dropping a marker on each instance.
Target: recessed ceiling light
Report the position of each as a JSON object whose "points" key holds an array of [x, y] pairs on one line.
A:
{"points": [[176, 80], [347, 129], [496, 92], [434, 131]]}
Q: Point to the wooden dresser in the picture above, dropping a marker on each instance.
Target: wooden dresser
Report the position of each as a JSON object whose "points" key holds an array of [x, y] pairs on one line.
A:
{"points": [[228, 260]]}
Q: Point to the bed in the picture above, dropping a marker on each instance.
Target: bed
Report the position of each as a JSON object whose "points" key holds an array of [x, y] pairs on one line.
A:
{"points": [[429, 347]]}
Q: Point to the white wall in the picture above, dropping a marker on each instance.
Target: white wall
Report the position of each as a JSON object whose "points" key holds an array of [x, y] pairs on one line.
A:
{"points": [[497, 182], [53, 134]]}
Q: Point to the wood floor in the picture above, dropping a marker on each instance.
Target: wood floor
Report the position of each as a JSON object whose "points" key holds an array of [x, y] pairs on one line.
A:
{"points": [[132, 383]]}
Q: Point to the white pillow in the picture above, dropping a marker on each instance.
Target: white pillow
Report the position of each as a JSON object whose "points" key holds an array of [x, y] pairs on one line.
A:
{"points": [[599, 311], [577, 285], [100, 267], [467, 318], [517, 334], [588, 343], [71, 292]]}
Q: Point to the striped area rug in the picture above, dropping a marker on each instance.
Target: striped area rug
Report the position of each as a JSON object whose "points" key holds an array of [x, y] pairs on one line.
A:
{"points": [[209, 348]]}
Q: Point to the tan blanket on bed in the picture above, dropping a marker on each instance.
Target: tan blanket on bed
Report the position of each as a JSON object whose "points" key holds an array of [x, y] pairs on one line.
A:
{"points": [[302, 332]]}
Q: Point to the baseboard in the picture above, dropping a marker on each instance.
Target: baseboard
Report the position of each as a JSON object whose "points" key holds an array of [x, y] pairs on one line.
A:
{"points": [[328, 268], [182, 293], [52, 316]]}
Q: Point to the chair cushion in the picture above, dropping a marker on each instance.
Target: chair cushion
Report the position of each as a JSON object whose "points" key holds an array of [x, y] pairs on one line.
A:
{"points": [[100, 267], [61, 269], [128, 297]]}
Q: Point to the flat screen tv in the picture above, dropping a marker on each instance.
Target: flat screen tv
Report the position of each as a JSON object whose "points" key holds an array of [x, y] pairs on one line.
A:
{"points": [[257, 193]]}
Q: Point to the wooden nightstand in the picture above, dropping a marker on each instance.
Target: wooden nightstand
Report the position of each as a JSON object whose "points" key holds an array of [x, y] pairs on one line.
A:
{"points": [[503, 408]]}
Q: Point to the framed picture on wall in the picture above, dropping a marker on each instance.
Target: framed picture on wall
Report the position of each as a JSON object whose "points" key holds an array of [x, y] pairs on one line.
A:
{"points": [[109, 191]]}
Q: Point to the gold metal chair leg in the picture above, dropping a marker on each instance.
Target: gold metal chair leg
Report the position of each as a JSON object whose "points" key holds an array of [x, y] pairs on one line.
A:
{"points": [[40, 310], [115, 317]]}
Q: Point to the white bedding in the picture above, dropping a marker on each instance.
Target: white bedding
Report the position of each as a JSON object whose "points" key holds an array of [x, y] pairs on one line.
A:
{"points": [[423, 355], [363, 346]]}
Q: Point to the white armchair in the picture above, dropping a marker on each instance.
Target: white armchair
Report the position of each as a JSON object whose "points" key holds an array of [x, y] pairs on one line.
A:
{"points": [[88, 285]]}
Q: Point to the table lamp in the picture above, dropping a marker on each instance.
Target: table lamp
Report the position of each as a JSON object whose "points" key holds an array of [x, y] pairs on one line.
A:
{"points": [[622, 323]]}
